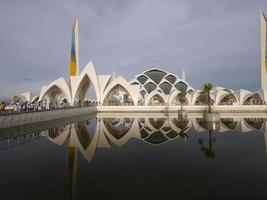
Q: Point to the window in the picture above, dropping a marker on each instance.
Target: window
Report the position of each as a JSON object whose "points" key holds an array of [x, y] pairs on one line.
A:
{"points": [[181, 86], [150, 87], [171, 79], [142, 79], [166, 87], [156, 75]]}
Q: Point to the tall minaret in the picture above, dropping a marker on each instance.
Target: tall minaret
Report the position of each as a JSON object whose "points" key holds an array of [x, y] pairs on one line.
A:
{"points": [[74, 59], [183, 75], [263, 22]]}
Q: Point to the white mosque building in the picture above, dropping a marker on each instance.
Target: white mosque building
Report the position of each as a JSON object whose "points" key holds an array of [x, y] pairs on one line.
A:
{"points": [[154, 86]]}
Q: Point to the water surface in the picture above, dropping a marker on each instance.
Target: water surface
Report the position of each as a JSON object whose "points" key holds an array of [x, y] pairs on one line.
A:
{"points": [[135, 157]]}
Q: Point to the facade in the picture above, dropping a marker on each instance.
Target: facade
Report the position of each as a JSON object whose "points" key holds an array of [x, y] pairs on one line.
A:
{"points": [[153, 87]]}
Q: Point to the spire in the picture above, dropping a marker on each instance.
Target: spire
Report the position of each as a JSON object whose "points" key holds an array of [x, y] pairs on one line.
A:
{"points": [[183, 75], [113, 76], [263, 37], [263, 16], [74, 60]]}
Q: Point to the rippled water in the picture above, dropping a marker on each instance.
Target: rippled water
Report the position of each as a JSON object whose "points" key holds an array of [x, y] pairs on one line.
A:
{"points": [[135, 157]]}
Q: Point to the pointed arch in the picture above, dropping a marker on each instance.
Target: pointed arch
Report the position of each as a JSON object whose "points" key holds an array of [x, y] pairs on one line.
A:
{"points": [[173, 96], [254, 99], [132, 90], [56, 87], [228, 99], [80, 84], [162, 99]]}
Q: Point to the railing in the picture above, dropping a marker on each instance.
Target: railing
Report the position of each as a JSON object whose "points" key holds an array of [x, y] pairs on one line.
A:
{"points": [[12, 112]]}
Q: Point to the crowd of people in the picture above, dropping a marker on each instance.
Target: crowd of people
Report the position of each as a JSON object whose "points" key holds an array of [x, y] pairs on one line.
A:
{"points": [[21, 106]]}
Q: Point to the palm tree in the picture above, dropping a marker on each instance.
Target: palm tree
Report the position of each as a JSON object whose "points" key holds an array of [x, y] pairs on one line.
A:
{"points": [[206, 91], [181, 98]]}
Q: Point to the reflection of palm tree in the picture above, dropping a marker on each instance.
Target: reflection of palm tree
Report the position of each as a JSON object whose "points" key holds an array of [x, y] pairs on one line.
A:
{"points": [[182, 124], [208, 151]]}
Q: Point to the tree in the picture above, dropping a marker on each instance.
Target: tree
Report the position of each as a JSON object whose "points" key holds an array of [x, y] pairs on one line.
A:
{"points": [[206, 92], [181, 98]]}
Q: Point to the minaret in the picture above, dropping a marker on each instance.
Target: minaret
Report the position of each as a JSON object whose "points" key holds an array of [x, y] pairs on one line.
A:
{"points": [[183, 75], [74, 59], [263, 22], [113, 76]]}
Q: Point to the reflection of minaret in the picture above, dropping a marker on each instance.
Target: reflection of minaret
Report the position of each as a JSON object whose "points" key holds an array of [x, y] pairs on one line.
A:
{"points": [[72, 154], [263, 22], [265, 143], [74, 60]]}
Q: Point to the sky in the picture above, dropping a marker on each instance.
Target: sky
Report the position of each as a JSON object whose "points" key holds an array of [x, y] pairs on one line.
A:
{"points": [[215, 41]]}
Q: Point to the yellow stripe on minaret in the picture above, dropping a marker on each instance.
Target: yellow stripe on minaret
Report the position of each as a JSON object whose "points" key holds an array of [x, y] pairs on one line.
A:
{"points": [[266, 65], [73, 68]]}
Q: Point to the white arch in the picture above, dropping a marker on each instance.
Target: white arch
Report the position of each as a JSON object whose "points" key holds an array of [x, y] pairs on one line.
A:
{"points": [[173, 95], [220, 94], [76, 81], [262, 94], [26, 96], [133, 90], [242, 95], [61, 84], [154, 93]]}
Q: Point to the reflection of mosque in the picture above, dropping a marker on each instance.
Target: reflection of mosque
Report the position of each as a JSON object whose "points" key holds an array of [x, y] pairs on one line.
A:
{"points": [[87, 135], [103, 132]]}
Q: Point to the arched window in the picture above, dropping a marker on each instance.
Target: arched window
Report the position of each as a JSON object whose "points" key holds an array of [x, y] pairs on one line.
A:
{"points": [[229, 99], [118, 95], [156, 100]]}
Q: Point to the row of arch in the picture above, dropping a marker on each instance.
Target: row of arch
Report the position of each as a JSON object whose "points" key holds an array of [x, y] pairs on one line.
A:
{"points": [[219, 96], [117, 91], [104, 87]]}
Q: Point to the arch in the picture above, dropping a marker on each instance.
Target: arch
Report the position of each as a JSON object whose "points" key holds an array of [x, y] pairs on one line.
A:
{"points": [[174, 100], [174, 94], [156, 100], [254, 99], [118, 95], [18, 97], [242, 95], [56, 88], [154, 93], [203, 99], [35, 99], [81, 83], [228, 99], [132, 90]]}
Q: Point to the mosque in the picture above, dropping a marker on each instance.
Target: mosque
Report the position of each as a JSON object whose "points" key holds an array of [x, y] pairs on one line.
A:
{"points": [[153, 87]]}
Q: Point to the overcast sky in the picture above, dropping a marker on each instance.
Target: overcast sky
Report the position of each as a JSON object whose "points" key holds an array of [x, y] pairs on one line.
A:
{"points": [[214, 41]]}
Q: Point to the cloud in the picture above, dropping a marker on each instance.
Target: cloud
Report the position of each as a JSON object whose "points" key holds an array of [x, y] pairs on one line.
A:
{"points": [[214, 41]]}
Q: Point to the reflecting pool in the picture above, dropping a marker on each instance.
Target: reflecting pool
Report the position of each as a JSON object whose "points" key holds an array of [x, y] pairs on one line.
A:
{"points": [[152, 156]]}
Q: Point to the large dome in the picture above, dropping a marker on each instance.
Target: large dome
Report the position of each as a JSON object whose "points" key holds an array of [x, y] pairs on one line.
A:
{"points": [[160, 80]]}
